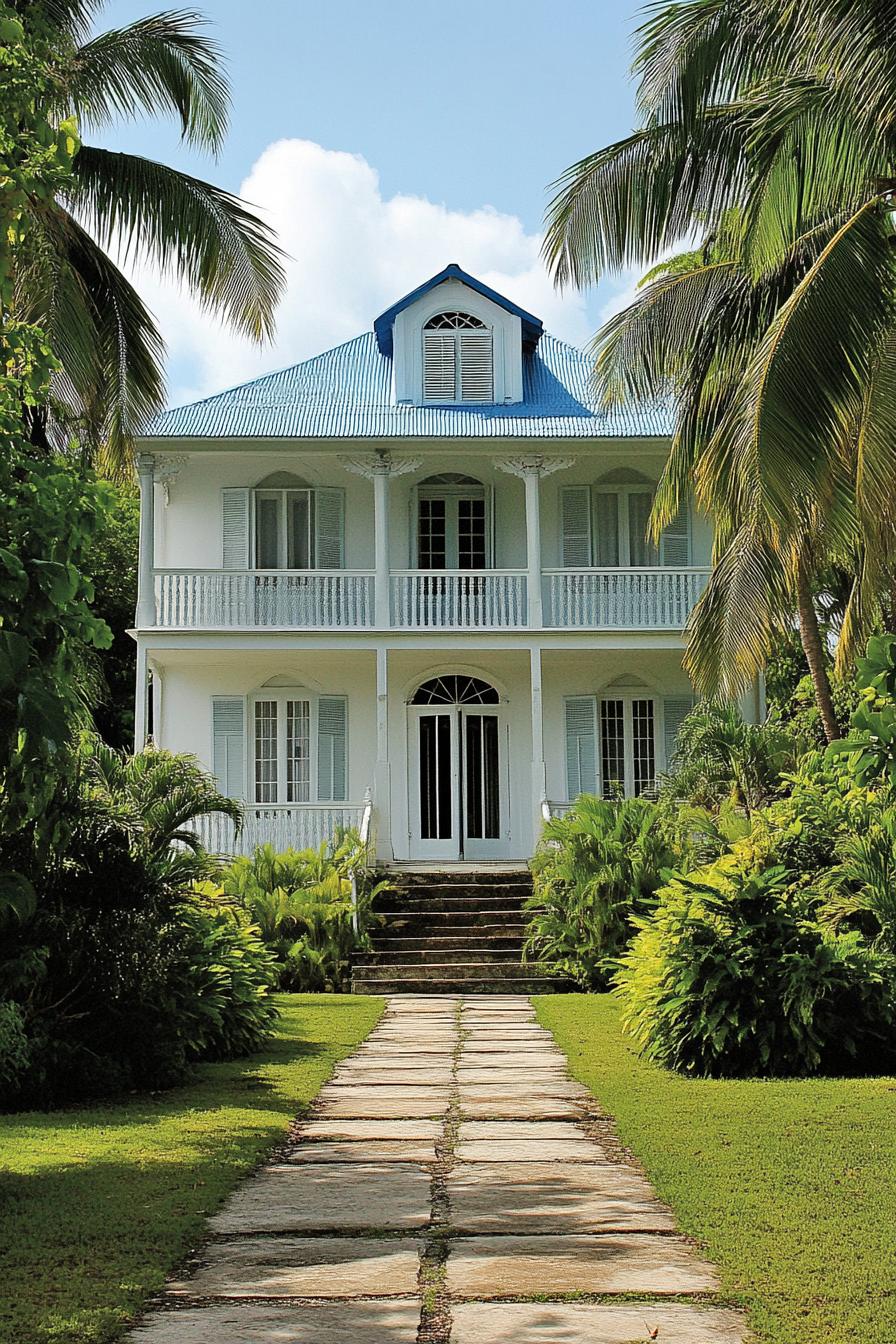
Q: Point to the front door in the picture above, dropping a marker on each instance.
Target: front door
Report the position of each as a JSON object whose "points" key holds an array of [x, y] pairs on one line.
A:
{"points": [[457, 790]]}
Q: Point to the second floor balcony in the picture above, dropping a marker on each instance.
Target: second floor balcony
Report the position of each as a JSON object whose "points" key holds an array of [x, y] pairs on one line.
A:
{"points": [[494, 599]]}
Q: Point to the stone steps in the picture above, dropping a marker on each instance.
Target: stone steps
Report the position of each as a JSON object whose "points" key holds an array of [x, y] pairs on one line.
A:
{"points": [[450, 932]]}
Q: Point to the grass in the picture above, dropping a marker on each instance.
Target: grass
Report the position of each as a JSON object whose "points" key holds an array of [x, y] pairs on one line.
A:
{"points": [[98, 1204], [788, 1184]]}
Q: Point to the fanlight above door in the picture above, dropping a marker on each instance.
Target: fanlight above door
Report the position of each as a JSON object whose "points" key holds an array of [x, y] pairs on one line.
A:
{"points": [[455, 690]]}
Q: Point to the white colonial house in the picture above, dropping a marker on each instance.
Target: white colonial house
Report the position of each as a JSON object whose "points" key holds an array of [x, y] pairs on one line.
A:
{"points": [[407, 582]]}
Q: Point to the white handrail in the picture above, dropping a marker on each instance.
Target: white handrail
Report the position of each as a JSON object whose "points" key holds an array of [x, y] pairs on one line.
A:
{"points": [[364, 833]]}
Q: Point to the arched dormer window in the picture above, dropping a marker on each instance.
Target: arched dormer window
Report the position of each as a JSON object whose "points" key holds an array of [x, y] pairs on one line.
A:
{"points": [[458, 359]]}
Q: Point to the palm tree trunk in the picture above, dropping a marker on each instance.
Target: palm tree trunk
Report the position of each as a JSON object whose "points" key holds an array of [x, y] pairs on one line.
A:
{"points": [[810, 635]]}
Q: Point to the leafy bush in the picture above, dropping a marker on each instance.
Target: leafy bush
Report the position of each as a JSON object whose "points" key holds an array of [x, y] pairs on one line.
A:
{"points": [[302, 903], [15, 1049], [719, 758], [594, 869], [734, 976], [123, 973], [870, 749]]}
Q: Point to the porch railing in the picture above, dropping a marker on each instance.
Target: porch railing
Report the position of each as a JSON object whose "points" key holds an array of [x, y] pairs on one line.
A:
{"points": [[285, 826], [622, 599], [200, 599], [458, 599]]}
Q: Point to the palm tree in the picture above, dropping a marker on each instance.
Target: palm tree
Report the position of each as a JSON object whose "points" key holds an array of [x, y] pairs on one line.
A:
{"points": [[101, 331], [784, 115]]}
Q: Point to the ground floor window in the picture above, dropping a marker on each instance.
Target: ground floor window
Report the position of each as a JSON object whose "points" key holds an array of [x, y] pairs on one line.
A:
{"points": [[612, 744], [297, 747]]}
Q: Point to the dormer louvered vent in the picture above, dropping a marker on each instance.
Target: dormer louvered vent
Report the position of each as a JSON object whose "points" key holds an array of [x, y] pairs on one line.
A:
{"points": [[457, 359]]}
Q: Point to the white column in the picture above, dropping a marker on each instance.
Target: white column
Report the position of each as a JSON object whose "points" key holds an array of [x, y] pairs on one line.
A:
{"points": [[146, 600], [539, 773], [140, 699], [533, 547], [382, 614], [382, 796]]}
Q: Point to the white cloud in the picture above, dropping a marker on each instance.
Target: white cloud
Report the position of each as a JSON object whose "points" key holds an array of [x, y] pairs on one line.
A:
{"points": [[352, 253]]}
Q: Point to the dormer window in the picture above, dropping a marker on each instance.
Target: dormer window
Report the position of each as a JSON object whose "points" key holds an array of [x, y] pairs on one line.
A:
{"points": [[458, 359]]}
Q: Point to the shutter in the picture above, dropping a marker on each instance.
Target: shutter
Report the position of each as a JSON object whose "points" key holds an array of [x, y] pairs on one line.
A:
{"points": [[332, 732], [229, 744], [438, 366], [641, 552], [581, 745], [575, 525], [329, 529], [675, 543], [675, 709], [235, 528], [476, 366], [606, 504]]}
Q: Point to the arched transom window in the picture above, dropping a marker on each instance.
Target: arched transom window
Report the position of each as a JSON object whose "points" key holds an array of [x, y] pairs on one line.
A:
{"points": [[458, 359], [455, 690]]}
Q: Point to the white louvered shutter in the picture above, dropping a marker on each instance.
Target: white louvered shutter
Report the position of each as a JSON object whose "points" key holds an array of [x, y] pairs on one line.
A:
{"points": [[438, 366], [581, 745], [642, 552], [675, 544], [476, 361], [332, 734], [329, 528], [229, 744], [606, 508], [675, 709], [575, 526], [235, 528]]}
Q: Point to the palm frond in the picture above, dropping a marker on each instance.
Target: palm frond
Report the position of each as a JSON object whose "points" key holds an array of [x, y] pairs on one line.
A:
{"points": [[208, 238], [163, 64]]}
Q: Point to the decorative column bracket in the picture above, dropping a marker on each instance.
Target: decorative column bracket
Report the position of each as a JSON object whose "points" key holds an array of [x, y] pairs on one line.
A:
{"points": [[372, 465]]}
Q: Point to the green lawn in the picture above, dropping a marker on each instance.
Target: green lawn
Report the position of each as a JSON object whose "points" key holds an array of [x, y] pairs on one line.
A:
{"points": [[790, 1185], [97, 1204]]}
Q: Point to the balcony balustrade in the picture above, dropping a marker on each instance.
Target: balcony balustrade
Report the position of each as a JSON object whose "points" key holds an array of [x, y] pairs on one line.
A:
{"points": [[587, 599], [285, 826]]}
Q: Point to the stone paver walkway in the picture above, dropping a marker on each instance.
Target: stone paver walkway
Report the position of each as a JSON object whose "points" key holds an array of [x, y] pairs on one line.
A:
{"points": [[449, 1173]]}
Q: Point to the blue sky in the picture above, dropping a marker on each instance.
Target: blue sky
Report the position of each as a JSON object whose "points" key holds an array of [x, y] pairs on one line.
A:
{"points": [[376, 137]]}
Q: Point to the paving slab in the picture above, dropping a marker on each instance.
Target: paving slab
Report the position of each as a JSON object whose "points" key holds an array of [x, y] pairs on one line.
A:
{"points": [[529, 1150], [501, 1130], [369, 1106], [305, 1267], [327, 1198], [369, 1151], [364, 1130], [592, 1323], [549, 1086], [536, 1058], [543, 1197], [534, 1078], [380, 1076], [356, 1089], [376, 1322], [495, 1107], [382, 1049], [630, 1263]]}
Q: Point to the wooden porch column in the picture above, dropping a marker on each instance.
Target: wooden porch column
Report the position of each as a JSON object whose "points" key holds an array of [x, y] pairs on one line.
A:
{"points": [[379, 467], [539, 772], [146, 599], [531, 470], [382, 784], [141, 696]]}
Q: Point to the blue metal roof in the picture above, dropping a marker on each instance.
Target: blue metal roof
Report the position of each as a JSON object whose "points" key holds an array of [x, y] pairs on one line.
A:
{"points": [[346, 393], [533, 327]]}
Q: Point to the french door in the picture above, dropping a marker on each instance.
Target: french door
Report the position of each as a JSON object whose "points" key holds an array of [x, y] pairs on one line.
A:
{"points": [[457, 782]]}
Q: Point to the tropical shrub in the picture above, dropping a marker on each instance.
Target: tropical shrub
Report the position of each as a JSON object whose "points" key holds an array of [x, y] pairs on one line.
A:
{"points": [[870, 748], [594, 870], [734, 975], [122, 972], [721, 759], [303, 904], [15, 1049]]}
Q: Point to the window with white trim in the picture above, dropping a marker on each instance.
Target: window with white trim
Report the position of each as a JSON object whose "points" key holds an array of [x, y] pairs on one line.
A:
{"points": [[618, 741], [458, 359], [299, 747], [606, 525], [282, 523]]}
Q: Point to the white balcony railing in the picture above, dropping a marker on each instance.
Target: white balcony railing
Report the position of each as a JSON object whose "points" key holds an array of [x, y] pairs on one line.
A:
{"points": [[622, 599], [458, 599], [285, 826], [495, 599], [202, 599]]}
